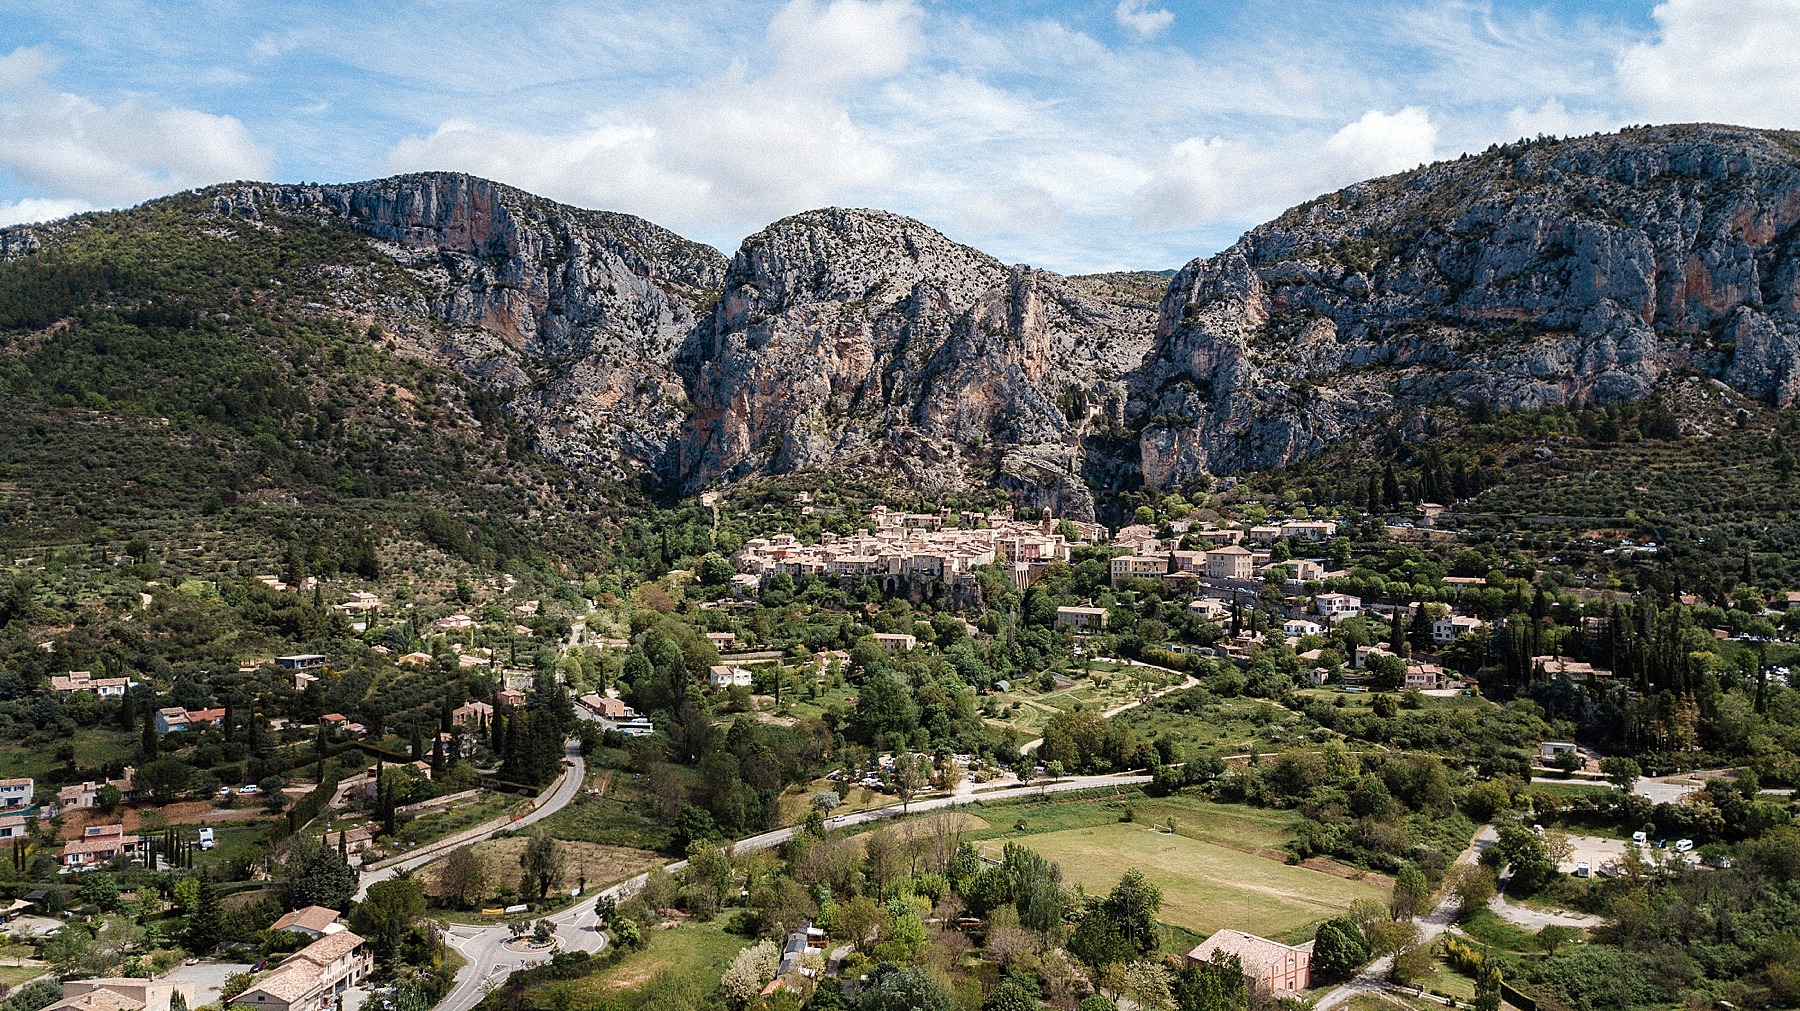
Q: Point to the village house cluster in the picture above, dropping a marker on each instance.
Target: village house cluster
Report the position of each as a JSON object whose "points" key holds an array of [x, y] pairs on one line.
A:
{"points": [[1149, 557], [915, 546]]}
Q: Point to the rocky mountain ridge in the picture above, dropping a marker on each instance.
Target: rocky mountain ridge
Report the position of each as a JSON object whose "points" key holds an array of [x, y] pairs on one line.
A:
{"points": [[1535, 274], [1545, 272]]}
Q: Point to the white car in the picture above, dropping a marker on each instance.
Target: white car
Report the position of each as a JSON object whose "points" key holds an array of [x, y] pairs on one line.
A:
{"points": [[1582, 870], [1683, 845], [245, 791], [224, 791], [1641, 838]]}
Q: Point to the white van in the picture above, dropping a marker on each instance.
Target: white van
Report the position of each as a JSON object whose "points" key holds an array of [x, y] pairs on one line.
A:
{"points": [[1640, 838], [1683, 845], [206, 839], [1582, 870]]}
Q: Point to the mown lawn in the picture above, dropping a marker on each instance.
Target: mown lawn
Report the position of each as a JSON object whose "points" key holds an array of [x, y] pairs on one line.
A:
{"points": [[1206, 886]]}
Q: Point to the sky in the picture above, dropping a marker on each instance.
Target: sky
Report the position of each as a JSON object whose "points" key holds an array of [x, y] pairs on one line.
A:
{"points": [[1077, 135]]}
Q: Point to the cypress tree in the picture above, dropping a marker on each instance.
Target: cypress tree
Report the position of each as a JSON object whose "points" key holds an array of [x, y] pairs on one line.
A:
{"points": [[205, 926]]}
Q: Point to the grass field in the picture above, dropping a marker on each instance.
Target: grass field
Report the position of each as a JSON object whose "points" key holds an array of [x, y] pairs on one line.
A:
{"points": [[1205, 885], [694, 954], [1254, 830], [14, 975], [619, 817]]}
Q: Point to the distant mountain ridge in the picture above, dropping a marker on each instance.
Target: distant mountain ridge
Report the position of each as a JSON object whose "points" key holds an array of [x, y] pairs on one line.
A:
{"points": [[1545, 272]]}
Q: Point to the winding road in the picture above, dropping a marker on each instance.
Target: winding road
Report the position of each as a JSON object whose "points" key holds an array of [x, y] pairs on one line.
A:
{"points": [[561, 792], [488, 961]]}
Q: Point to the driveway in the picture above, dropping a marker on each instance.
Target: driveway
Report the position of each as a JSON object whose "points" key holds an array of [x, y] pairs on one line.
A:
{"points": [[34, 926], [208, 977]]}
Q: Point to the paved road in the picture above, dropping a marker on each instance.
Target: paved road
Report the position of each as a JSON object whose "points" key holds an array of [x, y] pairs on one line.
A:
{"points": [[564, 791], [1437, 921], [578, 929]]}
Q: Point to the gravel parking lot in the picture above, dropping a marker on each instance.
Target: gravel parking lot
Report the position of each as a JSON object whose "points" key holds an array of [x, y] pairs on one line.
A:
{"points": [[1593, 849]]}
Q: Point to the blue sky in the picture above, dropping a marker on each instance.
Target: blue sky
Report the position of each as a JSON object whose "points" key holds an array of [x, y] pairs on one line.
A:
{"points": [[1072, 135]]}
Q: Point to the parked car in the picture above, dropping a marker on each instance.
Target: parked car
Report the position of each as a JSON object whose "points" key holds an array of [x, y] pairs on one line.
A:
{"points": [[1640, 837], [1582, 870], [1683, 845], [247, 790]]}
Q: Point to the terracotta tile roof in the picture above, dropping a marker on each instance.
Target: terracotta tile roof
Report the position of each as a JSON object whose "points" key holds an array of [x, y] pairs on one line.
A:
{"points": [[1256, 953], [313, 918], [326, 949], [98, 844], [287, 984], [96, 1000]]}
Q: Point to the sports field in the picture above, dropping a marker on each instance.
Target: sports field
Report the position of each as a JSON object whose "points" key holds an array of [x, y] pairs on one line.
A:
{"points": [[1205, 886]]}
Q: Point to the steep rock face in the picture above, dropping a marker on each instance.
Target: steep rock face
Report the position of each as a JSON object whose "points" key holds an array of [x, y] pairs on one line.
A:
{"points": [[1542, 273], [575, 315], [854, 338]]}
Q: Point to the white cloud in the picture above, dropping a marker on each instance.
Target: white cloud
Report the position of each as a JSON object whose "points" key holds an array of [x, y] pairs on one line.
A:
{"points": [[1720, 62], [73, 151], [730, 152], [1038, 131], [1552, 119], [33, 209], [1137, 16], [844, 42], [1202, 180], [1379, 144]]}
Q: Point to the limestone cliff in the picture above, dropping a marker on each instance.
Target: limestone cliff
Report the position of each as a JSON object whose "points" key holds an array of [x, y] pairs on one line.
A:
{"points": [[1539, 273], [573, 315], [855, 338]]}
